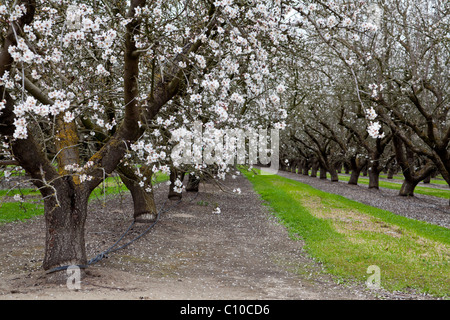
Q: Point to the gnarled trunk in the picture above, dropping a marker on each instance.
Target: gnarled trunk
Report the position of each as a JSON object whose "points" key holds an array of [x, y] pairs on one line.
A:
{"points": [[333, 173], [65, 217], [406, 159], [356, 165], [408, 186], [143, 199]]}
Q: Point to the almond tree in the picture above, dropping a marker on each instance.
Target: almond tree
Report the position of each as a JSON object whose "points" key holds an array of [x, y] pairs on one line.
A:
{"points": [[130, 71], [65, 195]]}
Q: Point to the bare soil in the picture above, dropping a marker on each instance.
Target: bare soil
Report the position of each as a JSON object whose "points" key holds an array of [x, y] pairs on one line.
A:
{"points": [[191, 253]]}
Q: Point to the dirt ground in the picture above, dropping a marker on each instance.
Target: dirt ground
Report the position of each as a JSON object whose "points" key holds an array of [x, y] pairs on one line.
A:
{"points": [[191, 253]]}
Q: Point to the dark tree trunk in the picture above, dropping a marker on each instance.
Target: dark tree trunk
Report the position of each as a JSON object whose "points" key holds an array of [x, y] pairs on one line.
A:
{"points": [[338, 167], [375, 168], [174, 175], [314, 168], [297, 168], [374, 177], [193, 183], [365, 170], [356, 171], [334, 174], [408, 186], [406, 159], [143, 200], [391, 172], [354, 177], [356, 165], [65, 217], [323, 172], [346, 168], [305, 169]]}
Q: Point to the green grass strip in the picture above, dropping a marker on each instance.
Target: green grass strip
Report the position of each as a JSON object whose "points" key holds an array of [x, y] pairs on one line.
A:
{"points": [[348, 237], [440, 193], [16, 211]]}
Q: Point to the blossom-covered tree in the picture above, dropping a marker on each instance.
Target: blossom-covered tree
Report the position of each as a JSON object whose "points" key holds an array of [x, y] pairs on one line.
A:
{"points": [[91, 87]]}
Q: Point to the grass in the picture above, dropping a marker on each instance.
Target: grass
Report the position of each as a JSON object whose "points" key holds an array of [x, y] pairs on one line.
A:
{"points": [[433, 181], [440, 193], [16, 211], [32, 205], [348, 237]]}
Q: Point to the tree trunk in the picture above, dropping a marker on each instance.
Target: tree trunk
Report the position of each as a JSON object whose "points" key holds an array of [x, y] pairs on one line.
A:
{"points": [[374, 177], [323, 172], [406, 159], [391, 172], [334, 174], [346, 168], [338, 167], [193, 183], [354, 177], [65, 217], [174, 175], [355, 171], [143, 198], [314, 169], [365, 171], [408, 186], [305, 169]]}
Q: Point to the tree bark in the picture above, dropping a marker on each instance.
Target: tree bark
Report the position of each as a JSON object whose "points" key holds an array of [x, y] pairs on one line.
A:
{"points": [[374, 177], [356, 168], [408, 186], [406, 159], [65, 217], [323, 172], [374, 166], [333, 173], [193, 183], [143, 200], [174, 175], [354, 177], [314, 169], [391, 172], [305, 170]]}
